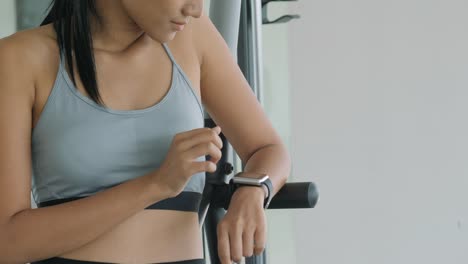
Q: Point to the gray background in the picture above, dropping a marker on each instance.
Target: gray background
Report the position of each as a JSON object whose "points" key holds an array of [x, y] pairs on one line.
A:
{"points": [[379, 121], [30, 13]]}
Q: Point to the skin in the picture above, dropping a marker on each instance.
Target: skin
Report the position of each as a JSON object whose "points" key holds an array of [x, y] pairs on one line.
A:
{"points": [[127, 44]]}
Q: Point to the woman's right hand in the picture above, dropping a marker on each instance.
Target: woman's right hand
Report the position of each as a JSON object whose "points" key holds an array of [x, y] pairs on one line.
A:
{"points": [[179, 164]]}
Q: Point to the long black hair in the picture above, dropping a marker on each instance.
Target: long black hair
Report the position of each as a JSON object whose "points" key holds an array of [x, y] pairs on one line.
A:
{"points": [[71, 22]]}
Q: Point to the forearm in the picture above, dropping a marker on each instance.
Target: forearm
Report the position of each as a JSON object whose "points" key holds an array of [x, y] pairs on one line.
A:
{"points": [[273, 160], [46, 232]]}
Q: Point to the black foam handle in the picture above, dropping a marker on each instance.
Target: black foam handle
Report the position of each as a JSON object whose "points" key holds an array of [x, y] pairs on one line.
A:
{"points": [[295, 195], [291, 195]]}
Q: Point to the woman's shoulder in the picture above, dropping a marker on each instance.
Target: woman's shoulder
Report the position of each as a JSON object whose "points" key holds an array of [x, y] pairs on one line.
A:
{"points": [[31, 48], [31, 45], [33, 39], [194, 37], [203, 33], [23, 58]]}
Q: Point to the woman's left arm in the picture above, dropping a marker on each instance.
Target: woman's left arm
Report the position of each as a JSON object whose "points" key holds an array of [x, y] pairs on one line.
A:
{"points": [[231, 103]]}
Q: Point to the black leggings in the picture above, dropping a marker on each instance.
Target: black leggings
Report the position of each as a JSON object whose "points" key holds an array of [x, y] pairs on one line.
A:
{"points": [[58, 260]]}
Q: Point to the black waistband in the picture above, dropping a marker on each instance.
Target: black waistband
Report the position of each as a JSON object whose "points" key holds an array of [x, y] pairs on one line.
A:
{"points": [[59, 260], [185, 201]]}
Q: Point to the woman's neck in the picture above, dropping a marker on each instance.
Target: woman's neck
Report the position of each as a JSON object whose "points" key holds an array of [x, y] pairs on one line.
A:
{"points": [[115, 31]]}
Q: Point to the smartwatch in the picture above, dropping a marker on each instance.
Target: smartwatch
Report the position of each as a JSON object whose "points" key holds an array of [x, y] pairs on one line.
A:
{"points": [[254, 179]]}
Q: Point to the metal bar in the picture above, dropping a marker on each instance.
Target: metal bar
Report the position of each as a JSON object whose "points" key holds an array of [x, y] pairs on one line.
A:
{"points": [[251, 64], [225, 15], [250, 45]]}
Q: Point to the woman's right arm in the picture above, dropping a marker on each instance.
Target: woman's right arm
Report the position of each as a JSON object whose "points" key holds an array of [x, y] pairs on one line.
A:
{"points": [[27, 234]]}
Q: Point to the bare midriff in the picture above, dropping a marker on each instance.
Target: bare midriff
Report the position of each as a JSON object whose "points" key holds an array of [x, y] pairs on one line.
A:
{"points": [[150, 236]]}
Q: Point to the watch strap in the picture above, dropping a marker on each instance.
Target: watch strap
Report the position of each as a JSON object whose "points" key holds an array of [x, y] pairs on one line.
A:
{"points": [[269, 186]]}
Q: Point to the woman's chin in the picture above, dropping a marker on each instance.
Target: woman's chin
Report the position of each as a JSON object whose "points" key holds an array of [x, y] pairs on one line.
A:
{"points": [[163, 38], [171, 36]]}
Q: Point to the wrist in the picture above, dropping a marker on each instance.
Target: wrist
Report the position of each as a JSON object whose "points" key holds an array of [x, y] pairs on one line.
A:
{"points": [[154, 188], [261, 190]]}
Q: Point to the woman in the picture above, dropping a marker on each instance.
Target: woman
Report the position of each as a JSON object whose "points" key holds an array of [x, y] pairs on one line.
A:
{"points": [[117, 149]]}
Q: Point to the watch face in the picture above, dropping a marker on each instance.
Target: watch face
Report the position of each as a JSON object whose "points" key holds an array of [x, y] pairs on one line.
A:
{"points": [[245, 180], [250, 178], [252, 175]]}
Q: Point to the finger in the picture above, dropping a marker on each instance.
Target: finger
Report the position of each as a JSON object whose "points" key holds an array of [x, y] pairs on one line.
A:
{"points": [[235, 241], [192, 133], [260, 238], [223, 244], [218, 141], [216, 155], [203, 166], [205, 136], [248, 242], [202, 150], [217, 129]]}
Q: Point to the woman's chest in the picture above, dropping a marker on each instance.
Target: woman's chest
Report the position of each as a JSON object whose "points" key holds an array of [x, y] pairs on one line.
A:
{"points": [[126, 84], [74, 140]]}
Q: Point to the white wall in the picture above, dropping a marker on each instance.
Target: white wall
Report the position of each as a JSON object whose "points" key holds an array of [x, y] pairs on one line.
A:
{"points": [[7, 18], [379, 108]]}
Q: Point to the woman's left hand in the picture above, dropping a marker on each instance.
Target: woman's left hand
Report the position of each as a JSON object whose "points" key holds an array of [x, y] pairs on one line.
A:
{"points": [[243, 224]]}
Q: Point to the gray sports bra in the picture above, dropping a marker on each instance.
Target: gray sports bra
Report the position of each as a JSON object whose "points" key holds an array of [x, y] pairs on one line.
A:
{"points": [[80, 148]]}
